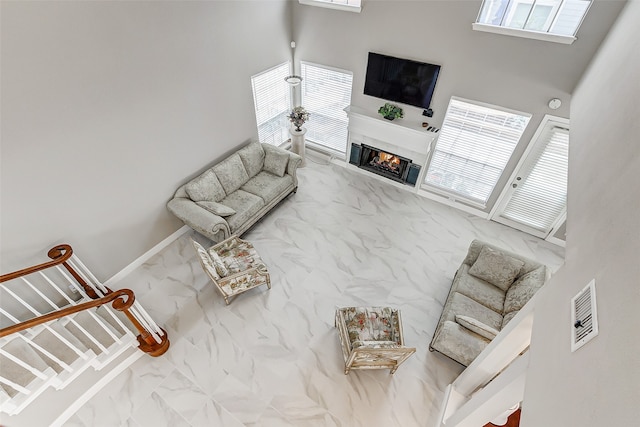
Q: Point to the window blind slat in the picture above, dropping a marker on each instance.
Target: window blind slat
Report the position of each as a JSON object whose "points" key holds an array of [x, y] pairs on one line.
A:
{"points": [[326, 92], [272, 101], [542, 196], [474, 146]]}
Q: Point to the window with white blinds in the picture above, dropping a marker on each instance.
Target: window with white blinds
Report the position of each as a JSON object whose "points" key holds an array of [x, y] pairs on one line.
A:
{"points": [[272, 101], [533, 18], [540, 195], [475, 143], [326, 92], [347, 5]]}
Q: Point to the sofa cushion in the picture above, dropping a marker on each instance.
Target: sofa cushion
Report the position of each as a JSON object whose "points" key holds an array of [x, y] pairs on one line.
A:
{"points": [[477, 289], [523, 289], [507, 318], [245, 204], [276, 162], [476, 326], [267, 186], [496, 268], [231, 173], [465, 306], [459, 343], [216, 208], [252, 157], [205, 187]]}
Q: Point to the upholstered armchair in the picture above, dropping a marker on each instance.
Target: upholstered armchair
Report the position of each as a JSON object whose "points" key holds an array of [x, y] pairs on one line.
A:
{"points": [[371, 338], [234, 266]]}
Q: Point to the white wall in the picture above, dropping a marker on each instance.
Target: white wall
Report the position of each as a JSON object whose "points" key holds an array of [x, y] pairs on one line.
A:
{"points": [[517, 73], [107, 107], [598, 385]]}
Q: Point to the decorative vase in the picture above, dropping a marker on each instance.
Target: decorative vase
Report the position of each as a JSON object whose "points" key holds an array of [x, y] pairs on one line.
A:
{"points": [[389, 117]]}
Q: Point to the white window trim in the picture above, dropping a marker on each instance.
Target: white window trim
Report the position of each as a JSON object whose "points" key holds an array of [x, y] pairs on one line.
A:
{"points": [[330, 5], [527, 34]]}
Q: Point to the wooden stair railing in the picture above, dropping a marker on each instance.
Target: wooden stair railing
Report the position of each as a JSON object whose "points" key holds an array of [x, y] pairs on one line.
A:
{"points": [[122, 300], [152, 340]]}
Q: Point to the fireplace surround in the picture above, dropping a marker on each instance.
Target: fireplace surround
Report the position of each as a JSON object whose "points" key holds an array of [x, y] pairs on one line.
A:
{"points": [[398, 149], [380, 162]]}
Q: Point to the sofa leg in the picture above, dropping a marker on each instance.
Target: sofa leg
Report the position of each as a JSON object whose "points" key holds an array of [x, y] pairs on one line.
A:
{"points": [[295, 190]]}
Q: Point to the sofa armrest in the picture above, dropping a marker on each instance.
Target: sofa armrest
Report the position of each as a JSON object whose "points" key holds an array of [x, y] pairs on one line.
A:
{"points": [[200, 219], [294, 159]]}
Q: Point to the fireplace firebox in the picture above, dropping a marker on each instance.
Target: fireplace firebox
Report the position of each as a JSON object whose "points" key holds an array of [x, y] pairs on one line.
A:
{"points": [[381, 162]]}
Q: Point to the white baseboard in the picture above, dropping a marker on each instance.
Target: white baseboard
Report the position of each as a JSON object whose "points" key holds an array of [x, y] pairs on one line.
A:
{"points": [[145, 257]]}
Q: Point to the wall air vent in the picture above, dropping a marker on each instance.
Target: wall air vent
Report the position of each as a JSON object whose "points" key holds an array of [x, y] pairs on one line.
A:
{"points": [[584, 319]]}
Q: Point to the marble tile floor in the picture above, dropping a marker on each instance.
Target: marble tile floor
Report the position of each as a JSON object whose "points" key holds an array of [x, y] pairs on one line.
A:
{"points": [[272, 357]]}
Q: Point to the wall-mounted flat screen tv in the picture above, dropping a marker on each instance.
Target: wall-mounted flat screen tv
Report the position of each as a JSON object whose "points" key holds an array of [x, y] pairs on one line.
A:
{"points": [[400, 80]]}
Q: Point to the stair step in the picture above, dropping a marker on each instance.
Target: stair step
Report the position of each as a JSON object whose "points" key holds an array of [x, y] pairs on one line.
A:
{"points": [[16, 373], [48, 340], [96, 330]]}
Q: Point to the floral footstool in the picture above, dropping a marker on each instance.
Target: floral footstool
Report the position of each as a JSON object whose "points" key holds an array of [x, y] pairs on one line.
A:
{"points": [[371, 338]]}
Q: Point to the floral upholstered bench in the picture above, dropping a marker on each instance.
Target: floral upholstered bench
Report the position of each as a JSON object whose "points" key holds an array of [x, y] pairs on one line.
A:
{"points": [[371, 338], [234, 266]]}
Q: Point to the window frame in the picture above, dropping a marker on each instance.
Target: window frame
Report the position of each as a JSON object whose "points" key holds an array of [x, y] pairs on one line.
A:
{"points": [[331, 4], [548, 121], [528, 33]]}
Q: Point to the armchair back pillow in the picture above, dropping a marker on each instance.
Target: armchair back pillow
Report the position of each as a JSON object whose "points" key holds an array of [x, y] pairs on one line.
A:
{"points": [[496, 268]]}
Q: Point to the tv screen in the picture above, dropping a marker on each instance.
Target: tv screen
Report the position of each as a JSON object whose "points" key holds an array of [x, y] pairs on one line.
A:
{"points": [[400, 80]]}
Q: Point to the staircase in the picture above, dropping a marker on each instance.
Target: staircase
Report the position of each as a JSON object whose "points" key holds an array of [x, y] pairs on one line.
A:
{"points": [[60, 323]]}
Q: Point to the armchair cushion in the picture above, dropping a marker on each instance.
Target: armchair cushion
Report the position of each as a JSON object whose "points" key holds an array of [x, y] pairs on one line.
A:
{"points": [[477, 326], [216, 208], [206, 187], [275, 162], [496, 268], [370, 324], [231, 173], [237, 264]]}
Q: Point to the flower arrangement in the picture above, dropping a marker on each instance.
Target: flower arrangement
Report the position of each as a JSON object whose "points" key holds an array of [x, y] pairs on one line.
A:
{"points": [[390, 111], [298, 117]]}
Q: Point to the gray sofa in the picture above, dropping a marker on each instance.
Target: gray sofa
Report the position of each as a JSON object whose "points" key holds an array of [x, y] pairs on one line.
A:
{"points": [[489, 288], [231, 196]]}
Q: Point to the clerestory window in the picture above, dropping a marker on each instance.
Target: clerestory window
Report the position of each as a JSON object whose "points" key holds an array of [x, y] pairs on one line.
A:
{"points": [[347, 5], [551, 20]]}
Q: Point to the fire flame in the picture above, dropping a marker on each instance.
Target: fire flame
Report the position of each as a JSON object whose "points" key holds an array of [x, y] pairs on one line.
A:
{"points": [[389, 158]]}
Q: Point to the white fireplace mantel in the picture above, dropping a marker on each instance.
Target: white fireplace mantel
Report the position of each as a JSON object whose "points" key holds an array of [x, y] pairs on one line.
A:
{"points": [[402, 137], [405, 134]]}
